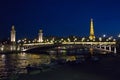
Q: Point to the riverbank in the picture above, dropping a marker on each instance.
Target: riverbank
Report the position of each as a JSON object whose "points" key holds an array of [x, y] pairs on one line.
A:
{"points": [[108, 68]]}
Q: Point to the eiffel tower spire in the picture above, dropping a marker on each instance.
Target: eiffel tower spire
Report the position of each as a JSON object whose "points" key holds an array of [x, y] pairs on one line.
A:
{"points": [[92, 36]]}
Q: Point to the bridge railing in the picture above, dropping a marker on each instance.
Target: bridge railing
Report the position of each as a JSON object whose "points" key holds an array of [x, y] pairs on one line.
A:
{"points": [[31, 44], [95, 43]]}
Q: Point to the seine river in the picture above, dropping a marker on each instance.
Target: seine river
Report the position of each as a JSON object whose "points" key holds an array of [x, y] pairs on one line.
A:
{"points": [[13, 63]]}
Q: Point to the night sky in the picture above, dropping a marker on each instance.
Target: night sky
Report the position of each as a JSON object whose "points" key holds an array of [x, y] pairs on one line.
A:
{"points": [[59, 17]]}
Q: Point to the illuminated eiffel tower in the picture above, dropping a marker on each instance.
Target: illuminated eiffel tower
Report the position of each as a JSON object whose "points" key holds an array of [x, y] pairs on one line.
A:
{"points": [[92, 36]]}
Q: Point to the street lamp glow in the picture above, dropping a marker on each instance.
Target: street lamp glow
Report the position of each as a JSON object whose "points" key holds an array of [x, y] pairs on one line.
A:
{"points": [[62, 39], [119, 35], [104, 35], [25, 42], [107, 40], [83, 39], [33, 41], [68, 39], [2, 56], [47, 40], [114, 39], [75, 39], [29, 41], [19, 41], [88, 40], [110, 37], [100, 39]]}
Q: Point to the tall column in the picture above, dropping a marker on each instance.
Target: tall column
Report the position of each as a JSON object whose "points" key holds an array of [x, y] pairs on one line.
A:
{"points": [[13, 35], [92, 36], [13, 39], [40, 36]]}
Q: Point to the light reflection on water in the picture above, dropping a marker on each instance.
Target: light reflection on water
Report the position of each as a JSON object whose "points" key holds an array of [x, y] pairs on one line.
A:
{"points": [[13, 63]]}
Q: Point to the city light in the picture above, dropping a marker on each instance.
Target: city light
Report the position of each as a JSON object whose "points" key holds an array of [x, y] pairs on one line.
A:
{"points": [[100, 38], [83, 39], [119, 36], [104, 35], [68, 39], [75, 39], [114, 39]]}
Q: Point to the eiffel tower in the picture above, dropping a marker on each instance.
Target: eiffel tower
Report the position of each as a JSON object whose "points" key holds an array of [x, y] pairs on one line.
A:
{"points": [[92, 36]]}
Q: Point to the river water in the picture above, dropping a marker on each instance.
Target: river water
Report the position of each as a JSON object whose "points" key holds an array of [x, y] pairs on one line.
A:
{"points": [[13, 63]]}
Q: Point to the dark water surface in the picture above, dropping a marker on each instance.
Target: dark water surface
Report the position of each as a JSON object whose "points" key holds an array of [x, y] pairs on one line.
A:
{"points": [[15, 63]]}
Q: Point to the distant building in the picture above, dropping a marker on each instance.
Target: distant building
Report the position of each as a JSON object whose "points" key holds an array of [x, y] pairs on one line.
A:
{"points": [[40, 36], [92, 35], [13, 35]]}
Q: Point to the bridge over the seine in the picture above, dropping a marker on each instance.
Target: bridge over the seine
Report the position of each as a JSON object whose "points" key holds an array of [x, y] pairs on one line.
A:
{"points": [[101, 46]]}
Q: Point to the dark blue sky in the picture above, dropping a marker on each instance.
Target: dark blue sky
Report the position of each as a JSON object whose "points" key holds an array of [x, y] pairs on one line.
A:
{"points": [[59, 17]]}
